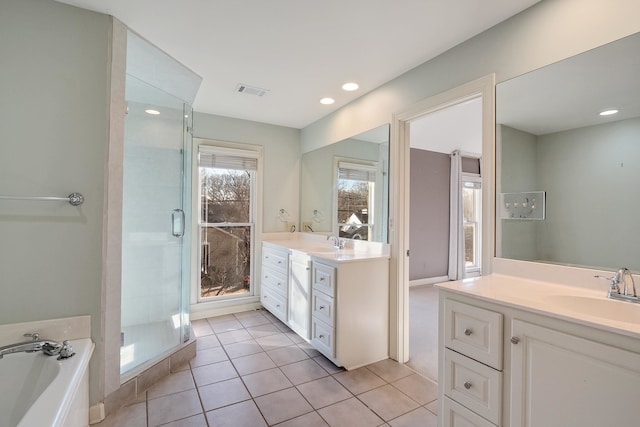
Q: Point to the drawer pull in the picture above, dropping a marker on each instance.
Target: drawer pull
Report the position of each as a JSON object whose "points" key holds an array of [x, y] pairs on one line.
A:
{"points": [[467, 385], [278, 305], [279, 262], [321, 307], [322, 279], [468, 332], [514, 340]]}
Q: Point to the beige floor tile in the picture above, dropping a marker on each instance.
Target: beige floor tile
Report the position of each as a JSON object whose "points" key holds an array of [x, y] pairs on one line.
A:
{"points": [[417, 418], [266, 382], [173, 407], [201, 328], [234, 336], [221, 319], [350, 413], [194, 421], [223, 393], [285, 355], [283, 405], [271, 342], [295, 337], [243, 414], [324, 392], [312, 419], [229, 325], [208, 356], [433, 407], [209, 341], [243, 348], [390, 370], [253, 363], [254, 320], [309, 349], [130, 416], [271, 317], [173, 383], [359, 380], [418, 388], [328, 365], [303, 371], [213, 373], [263, 330], [248, 313], [388, 402]]}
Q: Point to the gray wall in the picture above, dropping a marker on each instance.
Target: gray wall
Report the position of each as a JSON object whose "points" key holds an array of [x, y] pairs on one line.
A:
{"points": [[429, 223], [518, 169], [53, 136]]}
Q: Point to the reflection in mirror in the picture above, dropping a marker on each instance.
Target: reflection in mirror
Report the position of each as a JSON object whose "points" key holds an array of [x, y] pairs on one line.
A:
{"points": [[552, 137], [345, 187]]}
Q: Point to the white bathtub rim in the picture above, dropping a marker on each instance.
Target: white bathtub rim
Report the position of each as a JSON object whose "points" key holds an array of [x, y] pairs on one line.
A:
{"points": [[53, 405]]}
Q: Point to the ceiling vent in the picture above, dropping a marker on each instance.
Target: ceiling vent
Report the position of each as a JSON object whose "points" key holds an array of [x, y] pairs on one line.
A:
{"points": [[251, 90]]}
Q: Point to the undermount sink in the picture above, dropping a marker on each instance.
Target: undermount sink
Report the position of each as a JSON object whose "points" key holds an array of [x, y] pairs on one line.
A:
{"points": [[604, 308]]}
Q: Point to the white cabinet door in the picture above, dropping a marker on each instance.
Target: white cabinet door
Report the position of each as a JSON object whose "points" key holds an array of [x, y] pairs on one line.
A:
{"points": [[300, 296], [558, 379]]}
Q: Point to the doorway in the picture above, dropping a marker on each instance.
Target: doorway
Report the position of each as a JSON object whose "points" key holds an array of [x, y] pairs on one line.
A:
{"points": [[434, 140], [401, 236]]}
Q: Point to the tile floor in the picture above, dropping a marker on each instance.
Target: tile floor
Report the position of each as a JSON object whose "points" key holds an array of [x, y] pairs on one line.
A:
{"points": [[251, 370]]}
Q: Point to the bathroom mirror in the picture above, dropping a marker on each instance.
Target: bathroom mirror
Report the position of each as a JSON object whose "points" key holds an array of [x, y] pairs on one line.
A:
{"points": [[366, 154], [552, 138]]}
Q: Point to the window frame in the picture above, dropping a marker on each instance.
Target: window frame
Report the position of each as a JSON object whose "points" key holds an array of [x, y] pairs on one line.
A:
{"points": [[255, 221], [372, 208]]}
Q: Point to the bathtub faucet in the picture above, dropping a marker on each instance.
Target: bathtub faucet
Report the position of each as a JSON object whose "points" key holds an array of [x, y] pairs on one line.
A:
{"points": [[48, 347]]}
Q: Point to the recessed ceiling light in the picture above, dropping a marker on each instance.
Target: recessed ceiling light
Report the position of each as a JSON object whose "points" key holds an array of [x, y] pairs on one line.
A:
{"points": [[608, 112], [350, 86], [327, 101], [152, 112]]}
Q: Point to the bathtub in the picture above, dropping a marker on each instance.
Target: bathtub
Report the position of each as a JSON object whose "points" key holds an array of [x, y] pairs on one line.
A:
{"points": [[39, 390]]}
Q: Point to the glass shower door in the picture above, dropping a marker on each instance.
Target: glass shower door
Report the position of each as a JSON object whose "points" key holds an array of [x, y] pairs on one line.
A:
{"points": [[154, 313]]}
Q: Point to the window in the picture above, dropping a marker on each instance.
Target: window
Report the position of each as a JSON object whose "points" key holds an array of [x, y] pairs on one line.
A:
{"points": [[355, 190], [471, 201], [226, 221]]}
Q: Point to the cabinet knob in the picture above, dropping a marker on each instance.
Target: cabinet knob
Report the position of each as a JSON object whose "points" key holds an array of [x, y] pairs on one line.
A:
{"points": [[468, 332], [514, 340], [278, 305], [321, 307], [467, 385], [320, 336], [322, 279]]}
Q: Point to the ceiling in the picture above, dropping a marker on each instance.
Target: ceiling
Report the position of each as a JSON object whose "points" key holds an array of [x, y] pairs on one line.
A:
{"points": [[300, 51], [569, 94]]}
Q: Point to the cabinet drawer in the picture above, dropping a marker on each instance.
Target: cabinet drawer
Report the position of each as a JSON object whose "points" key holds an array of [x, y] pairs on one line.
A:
{"points": [[275, 280], [276, 259], [474, 332], [456, 415], [323, 337], [274, 302], [322, 307], [324, 278], [474, 385]]}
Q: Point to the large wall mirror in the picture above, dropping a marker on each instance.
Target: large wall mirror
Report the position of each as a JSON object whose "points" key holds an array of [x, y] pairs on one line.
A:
{"points": [[568, 167], [345, 187]]}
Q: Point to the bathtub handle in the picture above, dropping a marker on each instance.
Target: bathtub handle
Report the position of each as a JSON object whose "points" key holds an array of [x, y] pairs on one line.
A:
{"points": [[66, 351]]}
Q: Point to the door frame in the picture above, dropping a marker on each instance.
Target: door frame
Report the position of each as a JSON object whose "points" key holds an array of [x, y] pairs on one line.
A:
{"points": [[400, 198]]}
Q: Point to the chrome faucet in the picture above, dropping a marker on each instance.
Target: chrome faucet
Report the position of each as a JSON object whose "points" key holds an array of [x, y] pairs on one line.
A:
{"points": [[627, 292], [338, 243], [48, 347]]}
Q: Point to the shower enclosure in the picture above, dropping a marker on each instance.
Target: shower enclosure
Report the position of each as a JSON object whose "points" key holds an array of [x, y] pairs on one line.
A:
{"points": [[155, 225]]}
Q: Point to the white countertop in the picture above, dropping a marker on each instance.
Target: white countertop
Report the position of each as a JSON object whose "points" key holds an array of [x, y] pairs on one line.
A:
{"points": [[318, 246], [579, 305]]}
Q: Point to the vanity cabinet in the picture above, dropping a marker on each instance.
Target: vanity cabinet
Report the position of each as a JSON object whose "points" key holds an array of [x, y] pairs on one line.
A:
{"points": [[507, 366], [274, 289], [300, 294], [340, 306], [559, 379], [473, 360]]}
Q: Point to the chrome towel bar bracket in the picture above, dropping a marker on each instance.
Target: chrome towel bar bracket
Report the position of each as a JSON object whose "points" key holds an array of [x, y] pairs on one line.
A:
{"points": [[74, 199]]}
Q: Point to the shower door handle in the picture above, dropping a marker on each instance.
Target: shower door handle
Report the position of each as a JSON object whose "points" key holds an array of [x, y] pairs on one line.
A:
{"points": [[177, 222]]}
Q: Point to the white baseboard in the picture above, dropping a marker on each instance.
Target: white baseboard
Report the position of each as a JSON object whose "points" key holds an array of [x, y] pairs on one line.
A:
{"points": [[428, 281], [96, 413], [220, 308]]}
